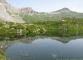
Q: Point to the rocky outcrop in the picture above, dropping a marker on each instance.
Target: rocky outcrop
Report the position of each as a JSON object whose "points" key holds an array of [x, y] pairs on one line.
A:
{"points": [[9, 13], [61, 11], [28, 10], [2, 1]]}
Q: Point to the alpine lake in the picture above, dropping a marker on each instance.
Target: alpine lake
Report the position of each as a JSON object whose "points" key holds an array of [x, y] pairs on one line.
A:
{"points": [[42, 48], [51, 40]]}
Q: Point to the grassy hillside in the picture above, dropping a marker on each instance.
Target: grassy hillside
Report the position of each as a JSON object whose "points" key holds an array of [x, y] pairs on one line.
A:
{"points": [[50, 17]]}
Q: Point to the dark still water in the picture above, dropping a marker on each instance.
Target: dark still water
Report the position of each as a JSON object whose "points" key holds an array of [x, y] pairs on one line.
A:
{"points": [[44, 48]]}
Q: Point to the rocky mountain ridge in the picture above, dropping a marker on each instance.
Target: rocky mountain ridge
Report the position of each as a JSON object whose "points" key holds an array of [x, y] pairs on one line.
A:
{"points": [[61, 11], [9, 13], [12, 14]]}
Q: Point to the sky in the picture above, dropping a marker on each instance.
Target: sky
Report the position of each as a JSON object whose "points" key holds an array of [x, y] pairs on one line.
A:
{"points": [[48, 5]]}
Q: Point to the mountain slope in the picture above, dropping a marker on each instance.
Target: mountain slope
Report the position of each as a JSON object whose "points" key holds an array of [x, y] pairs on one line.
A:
{"points": [[9, 13], [61, 11], [51, 16], [27, 14]]}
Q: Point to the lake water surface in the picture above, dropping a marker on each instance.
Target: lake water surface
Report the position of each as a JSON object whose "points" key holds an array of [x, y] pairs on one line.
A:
{"points": [[44, 48]]}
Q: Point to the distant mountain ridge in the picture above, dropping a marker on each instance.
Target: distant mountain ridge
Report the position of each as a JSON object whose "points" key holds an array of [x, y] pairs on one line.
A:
{"points": [[61, 11], [27, 14]]}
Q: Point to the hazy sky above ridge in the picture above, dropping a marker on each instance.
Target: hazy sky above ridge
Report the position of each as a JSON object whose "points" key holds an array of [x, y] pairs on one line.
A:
{"points": [[48, 5]]}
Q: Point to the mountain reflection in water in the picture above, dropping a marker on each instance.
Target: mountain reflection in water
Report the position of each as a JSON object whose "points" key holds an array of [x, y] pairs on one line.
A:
{"points": [[43, 48], [7, 43]]}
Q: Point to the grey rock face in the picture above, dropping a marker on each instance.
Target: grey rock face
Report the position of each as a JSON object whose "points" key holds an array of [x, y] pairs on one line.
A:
{"points": [[28, 10], [9, 13], [61, 11], [2, 1]]}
